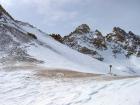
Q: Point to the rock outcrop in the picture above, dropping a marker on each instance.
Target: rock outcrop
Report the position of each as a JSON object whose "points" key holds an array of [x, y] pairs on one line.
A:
{"points": [[94, 44]]}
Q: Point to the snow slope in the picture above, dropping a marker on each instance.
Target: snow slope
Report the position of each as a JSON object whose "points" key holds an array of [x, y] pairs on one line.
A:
{"points": [[23, 87]]}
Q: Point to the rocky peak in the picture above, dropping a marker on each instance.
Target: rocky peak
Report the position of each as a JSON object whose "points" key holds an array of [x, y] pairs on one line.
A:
{"points": [[93, 42], [131, 33], [84, 28], [118, 30], [57, 37], [119, 34], [97, 32]]}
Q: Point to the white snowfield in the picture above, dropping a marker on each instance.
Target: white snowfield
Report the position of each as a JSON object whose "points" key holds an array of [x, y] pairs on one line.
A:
{"points": [[24, 87]]}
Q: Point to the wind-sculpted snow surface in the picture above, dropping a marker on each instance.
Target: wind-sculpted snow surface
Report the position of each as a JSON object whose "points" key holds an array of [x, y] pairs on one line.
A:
{"points": [[24, 87]]}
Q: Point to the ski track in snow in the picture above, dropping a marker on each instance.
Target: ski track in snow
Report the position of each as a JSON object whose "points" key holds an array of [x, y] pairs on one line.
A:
{"points": [[25, 88]]}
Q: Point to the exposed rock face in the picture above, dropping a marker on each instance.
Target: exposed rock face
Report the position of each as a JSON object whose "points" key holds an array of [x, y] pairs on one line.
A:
{"points": [[93, 43], [122, 42], [99, 41], [57, 37], [119, 34]]}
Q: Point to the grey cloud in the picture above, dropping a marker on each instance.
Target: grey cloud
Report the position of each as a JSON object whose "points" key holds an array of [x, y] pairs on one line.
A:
{"points": [[62, 16]]}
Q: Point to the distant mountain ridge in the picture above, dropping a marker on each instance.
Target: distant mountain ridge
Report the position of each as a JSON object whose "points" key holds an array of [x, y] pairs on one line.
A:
{"points": [[93, 43]]}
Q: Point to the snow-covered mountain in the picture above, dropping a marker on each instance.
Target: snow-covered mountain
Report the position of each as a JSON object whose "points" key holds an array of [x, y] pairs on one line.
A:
{"points": [[94, 43], [21, 42], [118, 48]]}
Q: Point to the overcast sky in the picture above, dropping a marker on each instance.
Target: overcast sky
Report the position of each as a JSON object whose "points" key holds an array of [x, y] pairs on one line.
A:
{"points": [[62, 16]]}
